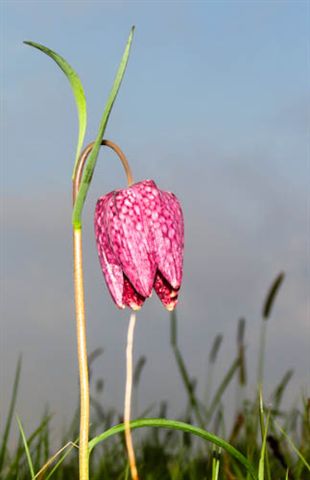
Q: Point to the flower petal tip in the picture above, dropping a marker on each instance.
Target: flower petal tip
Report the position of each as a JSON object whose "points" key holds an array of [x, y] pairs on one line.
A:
{"points": [[135, 307], [170, 307]]}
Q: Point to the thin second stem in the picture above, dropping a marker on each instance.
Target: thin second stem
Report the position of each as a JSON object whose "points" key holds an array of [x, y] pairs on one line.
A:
{"points": [[128, 390]]}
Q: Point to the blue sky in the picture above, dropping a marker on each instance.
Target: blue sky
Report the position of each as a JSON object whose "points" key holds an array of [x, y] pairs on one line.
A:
{"points": [[215, 107]]}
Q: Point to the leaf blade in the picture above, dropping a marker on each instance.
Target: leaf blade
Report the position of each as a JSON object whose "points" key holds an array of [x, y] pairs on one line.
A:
{"points": [[12, 404], [92, 159], [77, 90], [176, 425], [26, 447]]}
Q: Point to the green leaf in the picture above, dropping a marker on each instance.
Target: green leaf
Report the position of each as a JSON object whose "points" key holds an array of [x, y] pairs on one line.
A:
{"points": [[176, 425], [216, 455], [222, 387], [294, 448], [30, 441], [261, 466], [188, 382], [10, 414], [26, 448], [78, 92], [92, 159]]}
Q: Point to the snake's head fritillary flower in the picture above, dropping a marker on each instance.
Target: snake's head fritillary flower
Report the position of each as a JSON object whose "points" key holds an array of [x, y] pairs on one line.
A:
{"points": [[140, 239]]}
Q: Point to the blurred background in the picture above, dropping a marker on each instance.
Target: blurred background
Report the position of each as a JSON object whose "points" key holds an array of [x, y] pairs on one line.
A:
{"points": [[214, 107]]}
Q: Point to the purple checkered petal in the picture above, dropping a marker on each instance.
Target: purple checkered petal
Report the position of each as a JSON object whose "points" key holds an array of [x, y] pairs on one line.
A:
{"points": [[128, 238], [140, 240], [148, 196], [131, 298], [164, 228], [110, 265], [171, 244], [167, 295]]}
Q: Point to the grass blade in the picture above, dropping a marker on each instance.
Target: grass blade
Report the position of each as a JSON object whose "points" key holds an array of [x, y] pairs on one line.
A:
{"points": [[92, 159], [261, 466], [25, 443], [224, 384], [210, 367], [71, 445], [181, 426], [77, 89], [216, 455], [215, 348], [138, 370], [294, 448], [20, 450], [279, 391], [11, 412], [264, 460], [188, 383]]}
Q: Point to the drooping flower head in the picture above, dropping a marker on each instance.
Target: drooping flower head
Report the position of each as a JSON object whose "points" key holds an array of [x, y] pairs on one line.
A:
{"points": [[140, 240]]}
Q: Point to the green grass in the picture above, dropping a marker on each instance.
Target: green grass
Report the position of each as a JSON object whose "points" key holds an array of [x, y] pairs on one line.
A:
{"points": [[263, 444]]}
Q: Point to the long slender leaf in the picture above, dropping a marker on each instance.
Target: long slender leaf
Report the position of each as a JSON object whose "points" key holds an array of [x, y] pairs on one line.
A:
{"points": [[183, 371], [278, 392], [26, 447], [261, 466], [222, 387], [30, 440], [176, 425], [216, 455], [92, 159], [294, 448], [77, 89], [71, 445], [264, 459], [210, 367], [138, 370], [10, 414], [215, 348]]}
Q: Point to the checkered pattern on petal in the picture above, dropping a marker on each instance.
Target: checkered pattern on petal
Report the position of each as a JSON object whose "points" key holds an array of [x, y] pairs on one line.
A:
{"points": [[110, 265], [171, 245], [140, 239], [129, 241]]}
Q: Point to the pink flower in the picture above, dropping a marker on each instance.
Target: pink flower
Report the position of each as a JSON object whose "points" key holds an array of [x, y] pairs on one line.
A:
{"points": [[140, 239]]}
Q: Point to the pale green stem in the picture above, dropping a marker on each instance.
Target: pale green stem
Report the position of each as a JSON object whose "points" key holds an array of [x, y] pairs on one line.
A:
{"points": [[82, 354]]}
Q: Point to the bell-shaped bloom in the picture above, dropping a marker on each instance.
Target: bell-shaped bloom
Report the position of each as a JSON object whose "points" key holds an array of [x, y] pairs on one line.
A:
{"points": [[140, 240]]}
